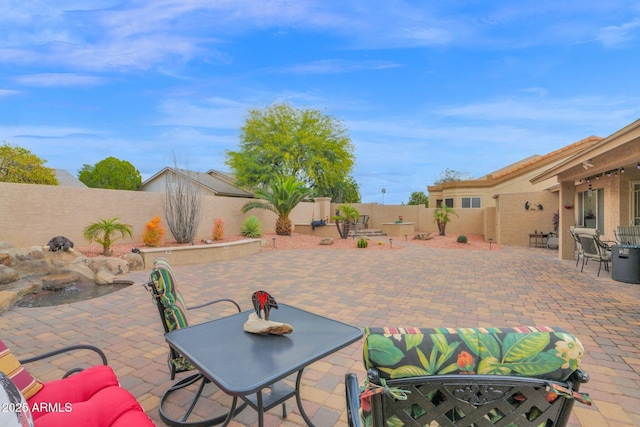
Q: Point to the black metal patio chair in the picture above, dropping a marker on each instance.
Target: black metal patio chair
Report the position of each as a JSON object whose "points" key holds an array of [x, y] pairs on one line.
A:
{"points": [[481, 377], [163, 287]]}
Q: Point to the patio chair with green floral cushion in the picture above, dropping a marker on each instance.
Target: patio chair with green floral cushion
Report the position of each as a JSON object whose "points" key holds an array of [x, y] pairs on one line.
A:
{"points": [[524, 376], [173, 313]]}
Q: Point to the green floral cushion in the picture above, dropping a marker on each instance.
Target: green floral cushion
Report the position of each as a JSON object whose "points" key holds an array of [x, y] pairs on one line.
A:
{"points": [[539, 352], [175, 313]]}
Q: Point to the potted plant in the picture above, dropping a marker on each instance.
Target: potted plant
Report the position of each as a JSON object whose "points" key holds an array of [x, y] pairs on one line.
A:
{"points": [[442, 216]]}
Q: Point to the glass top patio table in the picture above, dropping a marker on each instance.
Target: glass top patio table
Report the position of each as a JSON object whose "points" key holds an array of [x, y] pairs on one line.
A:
{"points": [[241, 363]]}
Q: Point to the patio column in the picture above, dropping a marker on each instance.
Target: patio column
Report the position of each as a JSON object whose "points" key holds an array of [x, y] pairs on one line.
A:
{"points": [[324, 206], [567, 219]]}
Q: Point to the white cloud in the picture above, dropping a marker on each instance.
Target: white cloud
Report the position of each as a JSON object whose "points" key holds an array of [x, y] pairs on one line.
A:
{"points": [[338, 66], [212, 113], [8, 92], [59, 80], [616, 35]]}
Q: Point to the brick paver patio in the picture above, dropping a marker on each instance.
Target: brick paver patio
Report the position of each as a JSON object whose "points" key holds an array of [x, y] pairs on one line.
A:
{"points": [[415, 286]]}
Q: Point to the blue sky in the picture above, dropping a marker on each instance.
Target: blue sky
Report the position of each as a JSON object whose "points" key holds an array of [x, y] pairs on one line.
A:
{"points": [[422, 86]]}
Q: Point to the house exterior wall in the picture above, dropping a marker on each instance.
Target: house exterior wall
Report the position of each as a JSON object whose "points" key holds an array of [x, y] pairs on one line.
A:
{"points": [[515, 223], [30, 215], [487, 189], [156, 185]]}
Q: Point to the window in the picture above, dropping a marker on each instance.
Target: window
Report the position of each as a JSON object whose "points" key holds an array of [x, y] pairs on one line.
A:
{"points": [[471, 202], [591, 209], [635, 202], [448, 202]]}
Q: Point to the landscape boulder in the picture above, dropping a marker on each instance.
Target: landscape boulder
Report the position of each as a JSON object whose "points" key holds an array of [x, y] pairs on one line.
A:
{"points": [[135, 261], [326, 241], [8, 275], [424, 236], [7, 300], [104, 277], [115, 266]]}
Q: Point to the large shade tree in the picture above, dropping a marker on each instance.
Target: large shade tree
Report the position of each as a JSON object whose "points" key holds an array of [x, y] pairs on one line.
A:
{"points": [[418, 198], [303, 143], [284, 194], [347, 191], [111, 173], [19, 165]]}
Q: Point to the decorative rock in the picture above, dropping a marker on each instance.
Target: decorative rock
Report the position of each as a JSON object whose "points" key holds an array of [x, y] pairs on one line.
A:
{"points": [[104, 277], [135, 261], [56, 282], [5, 245], [326, 241], [255, 325], [25, 286], [7, 300], [5, 259], [82, 270], [8, 275], [114, 265], [34, 267], [424, 236]]}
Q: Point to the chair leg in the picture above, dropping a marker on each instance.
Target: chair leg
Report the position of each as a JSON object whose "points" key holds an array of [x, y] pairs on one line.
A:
{"points": [[173, 422], [583, 258], [284, 410]]}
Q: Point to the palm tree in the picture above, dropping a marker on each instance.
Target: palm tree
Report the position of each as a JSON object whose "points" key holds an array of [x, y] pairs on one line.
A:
{"points": [[285, 194], [103, 232], [441, 216], [346, 216]]}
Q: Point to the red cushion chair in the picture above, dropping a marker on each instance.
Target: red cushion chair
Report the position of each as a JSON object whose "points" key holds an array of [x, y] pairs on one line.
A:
{"points": [[90, 397]]}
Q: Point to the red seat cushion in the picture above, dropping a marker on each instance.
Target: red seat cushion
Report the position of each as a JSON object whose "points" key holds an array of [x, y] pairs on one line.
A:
{"points": [[89, 398], [109, 407], [79, 387]]}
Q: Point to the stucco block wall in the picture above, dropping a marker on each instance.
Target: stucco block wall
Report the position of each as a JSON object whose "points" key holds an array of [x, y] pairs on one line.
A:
{"points": [[515, 223], [467, 221], [30, 215]]}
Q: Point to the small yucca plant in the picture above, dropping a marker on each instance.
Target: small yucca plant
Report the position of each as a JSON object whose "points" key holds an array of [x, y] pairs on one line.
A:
{"points": [[251, 227]]}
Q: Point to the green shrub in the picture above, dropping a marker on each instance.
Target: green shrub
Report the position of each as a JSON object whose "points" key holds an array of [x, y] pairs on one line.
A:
{"points": [[363, 243], [462, 239], [251, 227]]}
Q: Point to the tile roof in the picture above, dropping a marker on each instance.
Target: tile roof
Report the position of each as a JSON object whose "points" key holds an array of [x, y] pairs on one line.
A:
{"points": [[531, 161]]}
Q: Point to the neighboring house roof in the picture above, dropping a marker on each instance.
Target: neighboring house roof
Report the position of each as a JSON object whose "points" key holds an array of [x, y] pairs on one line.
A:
{"points": [[65, 179], [522, 167], [214, 181]]}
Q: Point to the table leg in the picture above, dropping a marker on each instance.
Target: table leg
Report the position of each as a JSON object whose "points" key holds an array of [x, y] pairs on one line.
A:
{"points": [[305, 417], [260, 409]]}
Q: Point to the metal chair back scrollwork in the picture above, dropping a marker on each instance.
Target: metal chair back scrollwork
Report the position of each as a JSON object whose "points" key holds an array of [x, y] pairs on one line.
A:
{"points": [[467, 377]]}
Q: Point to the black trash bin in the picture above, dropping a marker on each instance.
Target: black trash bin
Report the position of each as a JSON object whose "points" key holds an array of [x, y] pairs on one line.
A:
{"points": [[625, 263]]}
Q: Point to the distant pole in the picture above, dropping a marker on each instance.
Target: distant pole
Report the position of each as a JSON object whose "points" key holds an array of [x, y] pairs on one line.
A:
{"points": [[384, 190]]}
